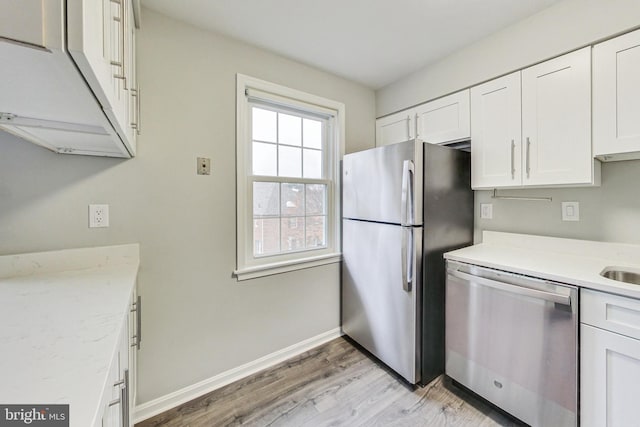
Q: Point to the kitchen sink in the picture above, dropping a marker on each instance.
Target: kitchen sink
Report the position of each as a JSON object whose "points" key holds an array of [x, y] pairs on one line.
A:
{"points": [[616, 273]]}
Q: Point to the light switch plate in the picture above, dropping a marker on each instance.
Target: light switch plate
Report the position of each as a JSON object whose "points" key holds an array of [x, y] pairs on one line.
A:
{"points": [[570, 211], [98, 216], [486, 211], [204, 166]]}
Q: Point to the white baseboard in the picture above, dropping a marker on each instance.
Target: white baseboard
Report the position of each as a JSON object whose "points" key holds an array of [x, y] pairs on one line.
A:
{"points": [[171, 400]]}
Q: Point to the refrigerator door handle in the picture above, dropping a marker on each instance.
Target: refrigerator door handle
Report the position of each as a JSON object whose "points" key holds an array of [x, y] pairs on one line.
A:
{"points": [[407, 260], [406, 210]]}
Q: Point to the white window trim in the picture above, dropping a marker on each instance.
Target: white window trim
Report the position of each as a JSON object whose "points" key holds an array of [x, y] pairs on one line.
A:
{"points": [[249, 267]]}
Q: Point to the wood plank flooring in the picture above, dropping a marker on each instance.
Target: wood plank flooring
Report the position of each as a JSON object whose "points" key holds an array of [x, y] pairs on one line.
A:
{"points": [[332, 385]]}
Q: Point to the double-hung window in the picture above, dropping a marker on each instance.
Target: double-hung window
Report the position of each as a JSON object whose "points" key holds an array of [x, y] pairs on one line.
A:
{"points": [[289, 145]]}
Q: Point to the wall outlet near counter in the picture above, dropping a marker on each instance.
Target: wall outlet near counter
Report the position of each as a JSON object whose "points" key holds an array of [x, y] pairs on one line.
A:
{"points": [[570, 211], [98, 216], [486, 211]]}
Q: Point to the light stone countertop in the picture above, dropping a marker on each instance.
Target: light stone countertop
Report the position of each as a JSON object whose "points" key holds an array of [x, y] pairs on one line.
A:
{"points": [[575, 262], [59, 329]]}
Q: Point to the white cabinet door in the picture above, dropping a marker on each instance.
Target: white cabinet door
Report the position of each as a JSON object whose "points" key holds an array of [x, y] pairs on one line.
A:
{"points": [[34, 22], [395, 128], [445, 119], [496, 133], [616, 97], [31, 29], [556, 121], [94, 43], [97, 40], [609, 375], [111, 412]]}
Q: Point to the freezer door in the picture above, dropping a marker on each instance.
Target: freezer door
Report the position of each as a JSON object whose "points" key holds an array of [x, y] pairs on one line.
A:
{"points": [[384, 184], [379, 311]]}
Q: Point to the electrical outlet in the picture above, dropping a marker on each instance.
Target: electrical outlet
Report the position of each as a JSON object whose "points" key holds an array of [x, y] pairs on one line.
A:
{"points": [[486, 210], [98, 216], [570, 211], [204, 166]]}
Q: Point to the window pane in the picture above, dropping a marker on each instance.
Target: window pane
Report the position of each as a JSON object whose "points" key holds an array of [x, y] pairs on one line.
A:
{"points": [[312, 164], [264, 125], [292, 200], [290, 161], [289, 129], [266, 236], [312, 133], [292, 234], [266, 199], [315, 231], [264, 159], [316, 199]]}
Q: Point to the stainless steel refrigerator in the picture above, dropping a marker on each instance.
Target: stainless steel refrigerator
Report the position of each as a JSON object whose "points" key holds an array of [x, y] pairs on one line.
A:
{"points": [[403, 205]]}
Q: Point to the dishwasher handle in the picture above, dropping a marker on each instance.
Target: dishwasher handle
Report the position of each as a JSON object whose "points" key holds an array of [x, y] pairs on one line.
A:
{"points": [[514, 289]]}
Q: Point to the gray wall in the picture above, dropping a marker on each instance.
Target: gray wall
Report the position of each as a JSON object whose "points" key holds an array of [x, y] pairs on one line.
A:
{"points": [[558, 29], [198, 320], [610, 212]]}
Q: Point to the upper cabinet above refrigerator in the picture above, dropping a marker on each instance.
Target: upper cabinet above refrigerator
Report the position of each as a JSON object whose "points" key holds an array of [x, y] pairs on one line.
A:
{"points": [[440, 121], [68, 77]]}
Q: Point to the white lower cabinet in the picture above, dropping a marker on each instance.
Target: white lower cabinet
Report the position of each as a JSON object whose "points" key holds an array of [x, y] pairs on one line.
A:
{"points": [[610, 360], [119, 393]]}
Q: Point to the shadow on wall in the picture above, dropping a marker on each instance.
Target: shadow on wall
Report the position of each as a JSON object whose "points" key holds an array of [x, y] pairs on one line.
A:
{"points": [[32, 179]]}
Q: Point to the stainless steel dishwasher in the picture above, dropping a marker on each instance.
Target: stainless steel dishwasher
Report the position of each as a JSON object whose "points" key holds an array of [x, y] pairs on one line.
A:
{"points": [[513, 340]]}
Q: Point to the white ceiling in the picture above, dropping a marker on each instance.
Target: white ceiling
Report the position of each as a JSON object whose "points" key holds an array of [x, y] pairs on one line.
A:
{"points": [[374, 42]]}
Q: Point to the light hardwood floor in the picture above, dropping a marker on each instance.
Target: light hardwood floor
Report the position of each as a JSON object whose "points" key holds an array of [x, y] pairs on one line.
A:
{"points": [[332, 385]]}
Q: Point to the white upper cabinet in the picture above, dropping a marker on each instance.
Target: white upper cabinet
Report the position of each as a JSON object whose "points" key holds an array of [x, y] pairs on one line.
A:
{"points": [[556, 121], [398, 127], [436, 122], [616, 98], [99, 40], [532, 128], [32, 31], [67, 75], [496, 133], [445, 119]]}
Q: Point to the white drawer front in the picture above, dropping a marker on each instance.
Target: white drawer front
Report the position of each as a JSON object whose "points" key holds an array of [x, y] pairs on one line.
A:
{"points": [[610, 312]]}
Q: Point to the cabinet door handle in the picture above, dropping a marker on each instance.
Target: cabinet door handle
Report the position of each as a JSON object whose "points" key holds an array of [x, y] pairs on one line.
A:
{"points": [[139, 116], [528, 157], [123, 24], [136, 123], [136, 109], [513, 161], [138, 310]]}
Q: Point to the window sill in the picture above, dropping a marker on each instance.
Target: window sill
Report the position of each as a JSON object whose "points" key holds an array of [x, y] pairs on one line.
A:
{"points": [[286, 266]]}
